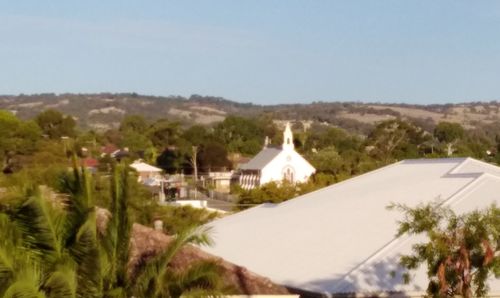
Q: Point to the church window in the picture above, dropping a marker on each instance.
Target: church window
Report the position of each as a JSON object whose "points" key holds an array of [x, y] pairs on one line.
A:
{"points": [[288, 175]]}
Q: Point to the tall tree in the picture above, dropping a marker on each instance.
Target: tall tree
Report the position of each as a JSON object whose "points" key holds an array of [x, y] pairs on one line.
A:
{"points": [[17, 137], [461, 251], [213, 156], [56, 125], [449, 133]]}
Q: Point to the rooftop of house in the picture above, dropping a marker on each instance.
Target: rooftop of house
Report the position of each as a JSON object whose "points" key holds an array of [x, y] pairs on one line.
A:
{"points": [[341, 239], [140, 166]]}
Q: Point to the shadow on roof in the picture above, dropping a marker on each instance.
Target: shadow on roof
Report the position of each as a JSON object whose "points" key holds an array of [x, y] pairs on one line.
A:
{"points": [[377, 280]]}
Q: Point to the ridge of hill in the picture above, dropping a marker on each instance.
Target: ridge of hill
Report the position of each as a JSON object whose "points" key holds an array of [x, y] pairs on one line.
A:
{"points": [[105, 110]]}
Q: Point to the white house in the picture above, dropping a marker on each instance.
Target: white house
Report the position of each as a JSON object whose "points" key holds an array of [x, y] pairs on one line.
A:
{"points": [[276, 164], [340, 240], [146, 172]]}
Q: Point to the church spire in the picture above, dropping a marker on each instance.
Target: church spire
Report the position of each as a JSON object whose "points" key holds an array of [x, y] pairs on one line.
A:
{"points": [[288, 138]]}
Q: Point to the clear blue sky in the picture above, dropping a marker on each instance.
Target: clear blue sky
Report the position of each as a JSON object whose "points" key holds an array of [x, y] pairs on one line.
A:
{"points": [[255, 51]]}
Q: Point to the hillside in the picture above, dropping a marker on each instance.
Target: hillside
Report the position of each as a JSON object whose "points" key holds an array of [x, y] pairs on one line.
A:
{"points": [[105, 110]]}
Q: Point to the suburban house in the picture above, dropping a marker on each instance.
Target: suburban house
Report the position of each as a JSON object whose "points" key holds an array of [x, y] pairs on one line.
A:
{"points": [[340, 240], [146, 172], [220, 181], [114, 152], [276, 164], [90, 164]]}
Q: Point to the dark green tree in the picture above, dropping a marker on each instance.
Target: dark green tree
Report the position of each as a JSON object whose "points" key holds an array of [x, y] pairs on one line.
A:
{"points": [[56, 125], [196, 135], [394, 140], [449, 133], [164, 133], [17, 137], [134, 123], [213, 156]]}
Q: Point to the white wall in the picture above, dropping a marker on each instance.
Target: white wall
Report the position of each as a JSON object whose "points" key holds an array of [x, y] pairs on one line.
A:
{"points": [[274, 170]]}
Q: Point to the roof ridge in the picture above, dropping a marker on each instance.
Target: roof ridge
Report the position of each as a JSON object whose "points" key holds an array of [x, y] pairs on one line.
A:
{"points": [[344, 181]]}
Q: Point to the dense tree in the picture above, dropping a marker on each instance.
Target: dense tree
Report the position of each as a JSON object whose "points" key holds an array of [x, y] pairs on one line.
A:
{"points": [[327, 160], [17, 137], [394, 140], [213, 156], [196, 135], [164, 133], [449, 133], [135, 123], [322, 136], [136, 142], [461, 251], [56, 125], [172, 160], [244, 135]]}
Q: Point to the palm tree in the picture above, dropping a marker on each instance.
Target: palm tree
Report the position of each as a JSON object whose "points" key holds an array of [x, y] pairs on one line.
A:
{"points": [[153, 278], [50, 248]]}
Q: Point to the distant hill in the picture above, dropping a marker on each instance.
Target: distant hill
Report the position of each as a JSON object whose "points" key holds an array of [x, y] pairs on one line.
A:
{"points": [[105, 110]]}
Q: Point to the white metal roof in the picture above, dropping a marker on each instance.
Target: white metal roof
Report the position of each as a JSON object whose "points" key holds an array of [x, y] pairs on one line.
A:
{"points": [[341, 239], [144, 167]]}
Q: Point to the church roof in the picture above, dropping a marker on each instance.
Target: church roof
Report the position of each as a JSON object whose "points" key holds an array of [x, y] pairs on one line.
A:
{"points": [[341, 239], [262, 159]]}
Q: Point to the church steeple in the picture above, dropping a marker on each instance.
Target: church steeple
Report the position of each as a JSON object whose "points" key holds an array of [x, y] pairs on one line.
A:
{"points": [[288, 138]]}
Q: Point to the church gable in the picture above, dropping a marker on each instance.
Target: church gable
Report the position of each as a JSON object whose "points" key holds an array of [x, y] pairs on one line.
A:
{"points": [[288, 165], [276, 164]]}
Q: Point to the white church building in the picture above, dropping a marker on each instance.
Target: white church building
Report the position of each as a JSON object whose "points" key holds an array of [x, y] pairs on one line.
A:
{"points": [[276, 164]]}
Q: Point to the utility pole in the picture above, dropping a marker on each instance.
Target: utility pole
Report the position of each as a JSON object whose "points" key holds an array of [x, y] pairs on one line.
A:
{"points": [[194, 156]]}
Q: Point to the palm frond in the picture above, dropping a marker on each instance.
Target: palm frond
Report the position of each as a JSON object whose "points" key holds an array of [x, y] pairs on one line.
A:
{"points": [[201, 279], [43, 225], [150, 275], [26, 283], [61, 283], [85, 252], [117, 237]]}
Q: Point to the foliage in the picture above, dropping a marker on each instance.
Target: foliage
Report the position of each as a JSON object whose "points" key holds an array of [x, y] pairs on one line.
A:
{"points": [[164, 133], [135, 123], [244, 135], [273, 192], [55, 252], [156, 279], [50, 247], [213, 157], [394, 140], [178, 218], [321, 137], [448, 132], [327, 160], [461, 251], [55, 125], [17, 137], [171, 160]]}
